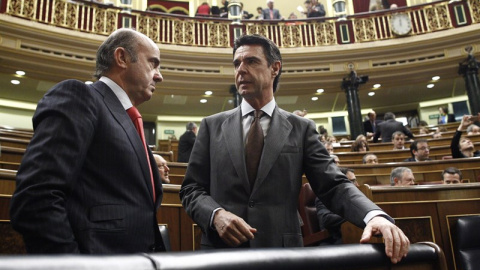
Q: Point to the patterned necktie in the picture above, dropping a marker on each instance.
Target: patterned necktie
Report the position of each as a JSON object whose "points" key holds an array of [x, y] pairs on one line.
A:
{"points": [[137, 121], [271, 14], [254, 147]]}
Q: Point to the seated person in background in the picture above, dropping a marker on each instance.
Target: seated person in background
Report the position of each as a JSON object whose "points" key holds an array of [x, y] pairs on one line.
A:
{"points": [[452, 175], [423, 131], [331, 221], [473, 130], [329, 147], [321, 138], [388, 127], [311, 11], [162, 168], [402, 177], [331, 139], [398, 139], [445, 117], [420, 151], [292, 16], [336, 159], [322, 131], [438, 133], [462, 147], [370, 159], [359, 146]]}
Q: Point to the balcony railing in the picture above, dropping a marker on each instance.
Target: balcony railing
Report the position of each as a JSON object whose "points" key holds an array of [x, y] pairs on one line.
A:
{"points": [[208, 32]]}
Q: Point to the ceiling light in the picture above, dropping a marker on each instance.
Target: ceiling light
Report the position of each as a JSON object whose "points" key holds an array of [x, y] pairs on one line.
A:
{"points": [[88, 82], [320, 91], [208, 93], [435, 78], [15, 81], [430, 85], [377, 85], [371, 94], [314, 98], [203, 100], [20, 72]]}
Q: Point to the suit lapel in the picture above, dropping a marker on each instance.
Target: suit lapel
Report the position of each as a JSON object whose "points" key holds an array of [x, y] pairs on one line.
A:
{"points": [[118, 112], [233, 137], [276, 138]]}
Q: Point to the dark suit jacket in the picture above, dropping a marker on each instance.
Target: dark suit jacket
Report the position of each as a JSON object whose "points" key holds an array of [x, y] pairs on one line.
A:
{"points": [[368, 127], [216, 177], [276, 14], [84, 183], [387, 128], [185, 146]]}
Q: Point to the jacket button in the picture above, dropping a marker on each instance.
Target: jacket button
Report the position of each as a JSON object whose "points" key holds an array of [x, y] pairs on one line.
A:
{"points": [[251, 204]]}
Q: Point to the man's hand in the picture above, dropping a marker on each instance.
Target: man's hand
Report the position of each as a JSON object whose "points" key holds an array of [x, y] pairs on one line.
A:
{"points": [[396, 243], [232, 229]]}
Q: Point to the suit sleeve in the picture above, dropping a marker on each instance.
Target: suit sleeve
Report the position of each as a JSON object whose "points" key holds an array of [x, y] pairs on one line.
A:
{"points": [[377, 135], [326, 218], [407, 132], [332, 186], [454, 145], [195, 190], [64, 124]]}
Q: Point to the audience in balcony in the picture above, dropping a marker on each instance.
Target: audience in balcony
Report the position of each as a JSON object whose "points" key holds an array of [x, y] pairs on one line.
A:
{"points": [[451, 175], [245, 14], [313, 10], [271, 13], [420, 151], [370, 159], [462, 147], [402, 177], [259, 13], [445, 117], [388, 127], [203, 10]]}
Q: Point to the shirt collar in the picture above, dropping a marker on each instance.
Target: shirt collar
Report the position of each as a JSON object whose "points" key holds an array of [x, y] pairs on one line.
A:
{"points": [[118, 91], [247, 108]]}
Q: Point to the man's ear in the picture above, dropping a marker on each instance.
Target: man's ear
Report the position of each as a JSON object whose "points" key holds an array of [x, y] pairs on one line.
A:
{"points": [[120, 56], [276, 68]]}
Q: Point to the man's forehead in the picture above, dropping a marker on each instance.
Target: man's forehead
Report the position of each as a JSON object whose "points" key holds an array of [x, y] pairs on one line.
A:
{"points": [[249, 50]]}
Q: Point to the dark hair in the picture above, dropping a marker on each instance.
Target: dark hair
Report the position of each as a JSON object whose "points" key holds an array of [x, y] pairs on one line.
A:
{"points": [[388, 116], [413, 145], [444, 109], [124, 38], [270, 50], [345, 170], [452, 170], [356, 145]]}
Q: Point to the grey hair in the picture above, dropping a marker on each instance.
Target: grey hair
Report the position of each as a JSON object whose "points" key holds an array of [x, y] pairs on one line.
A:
{"points": [[397, 173]]}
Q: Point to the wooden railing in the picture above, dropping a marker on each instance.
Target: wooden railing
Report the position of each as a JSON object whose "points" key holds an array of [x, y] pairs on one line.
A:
{"points": [[164, 28]]}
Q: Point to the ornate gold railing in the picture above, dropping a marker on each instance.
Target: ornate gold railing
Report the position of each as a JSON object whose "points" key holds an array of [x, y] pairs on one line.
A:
{"points": [[208, 32]]}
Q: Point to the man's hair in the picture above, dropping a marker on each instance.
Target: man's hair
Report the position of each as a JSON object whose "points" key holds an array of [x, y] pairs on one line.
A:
{"points": [[445, 109], [388, 116], [125, 38], [413, 145], [370, 114], [191, 126], [470, 128], [452, 170], [364, 159], [397, 133], [346, 170], [397, 173], [308, 2], [270, 50]]}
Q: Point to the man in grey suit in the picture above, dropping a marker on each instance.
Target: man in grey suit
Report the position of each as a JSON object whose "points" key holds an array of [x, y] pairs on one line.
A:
{"points": [[231, 211], [271, 13], [86, 183]]}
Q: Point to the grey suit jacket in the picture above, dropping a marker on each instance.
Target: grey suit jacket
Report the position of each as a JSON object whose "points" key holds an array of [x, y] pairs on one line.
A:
{"points": [[387, 128], [84, 183], [216, 177], [276, 14]]}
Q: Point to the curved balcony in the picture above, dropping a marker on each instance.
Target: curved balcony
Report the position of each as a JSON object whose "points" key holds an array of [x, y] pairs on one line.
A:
{"points": [[56, 40]]}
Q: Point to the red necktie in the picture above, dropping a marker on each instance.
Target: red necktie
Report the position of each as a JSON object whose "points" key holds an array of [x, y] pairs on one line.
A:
{"points": [[271, 14], [137, 121], [254, 147]]}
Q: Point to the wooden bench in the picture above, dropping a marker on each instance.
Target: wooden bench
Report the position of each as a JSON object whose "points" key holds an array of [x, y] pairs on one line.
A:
{"points": [[14, 142], [424, 213]]}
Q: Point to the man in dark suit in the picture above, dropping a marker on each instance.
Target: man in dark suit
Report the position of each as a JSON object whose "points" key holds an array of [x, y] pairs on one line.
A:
{"points": [[238, 207], [271, 13], [388, 127], [86, 183], [370, 125], [420, 151], [186, 142]]}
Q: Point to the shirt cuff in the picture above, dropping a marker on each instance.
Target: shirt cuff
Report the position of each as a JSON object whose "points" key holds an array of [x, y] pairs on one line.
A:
{"points": [[375, 213], [211, 217]]}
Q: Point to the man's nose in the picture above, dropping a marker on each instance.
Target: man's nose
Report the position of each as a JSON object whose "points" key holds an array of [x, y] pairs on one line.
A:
{"points": [[157, 77]]}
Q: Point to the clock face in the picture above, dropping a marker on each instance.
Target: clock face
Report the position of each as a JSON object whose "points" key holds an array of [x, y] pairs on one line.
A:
{"points": [[401, 24]]}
